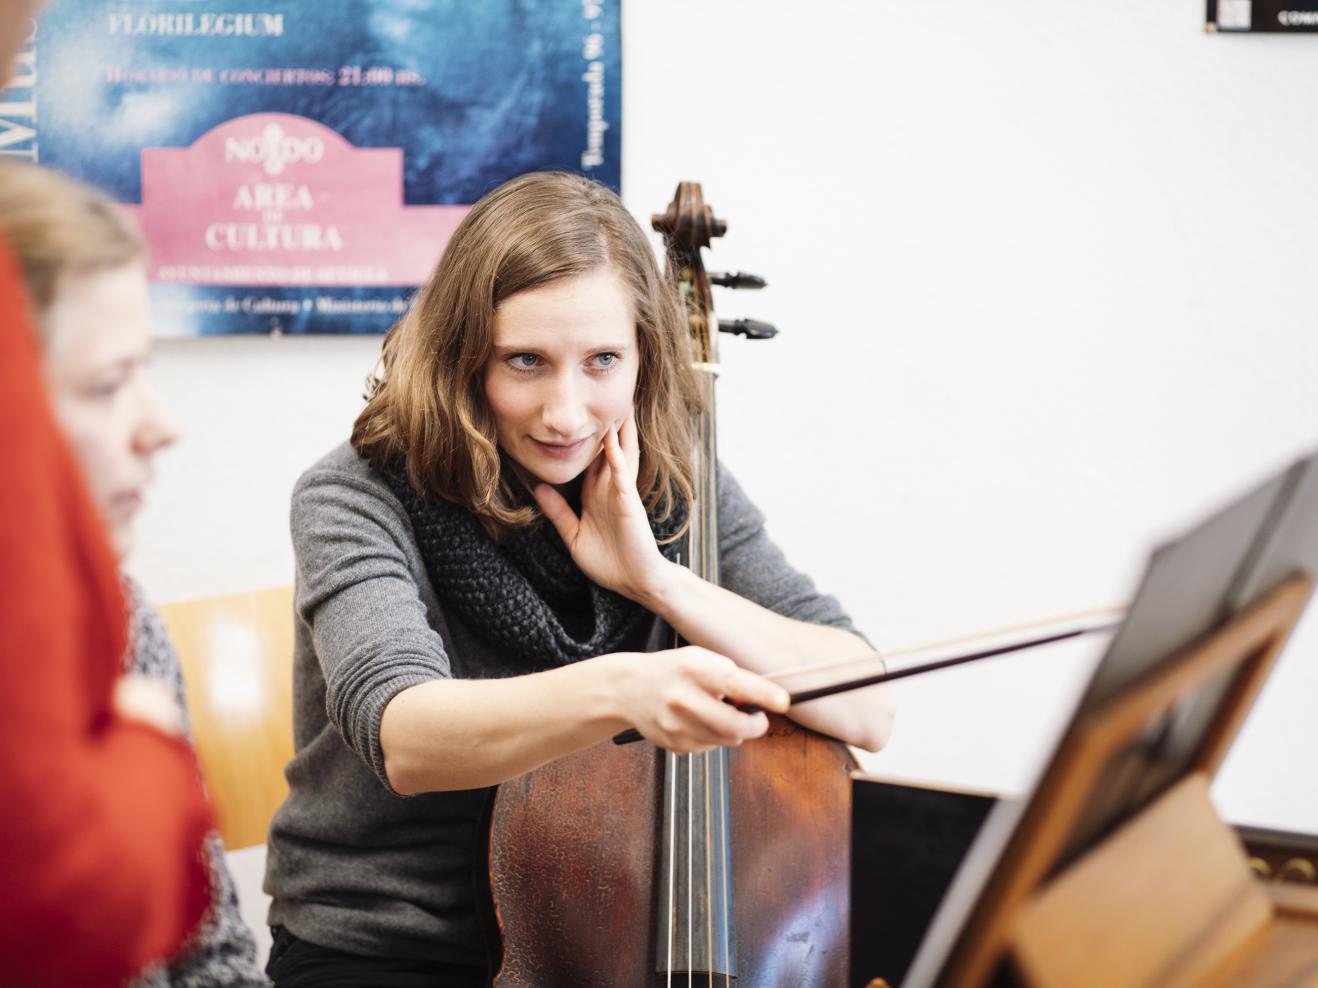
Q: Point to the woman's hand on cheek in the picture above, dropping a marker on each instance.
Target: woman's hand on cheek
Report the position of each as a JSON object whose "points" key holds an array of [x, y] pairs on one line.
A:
{"points": [[611, 541]]}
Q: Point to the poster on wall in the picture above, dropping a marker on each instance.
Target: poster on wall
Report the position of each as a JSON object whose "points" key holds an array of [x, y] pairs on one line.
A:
{"points": [[298, 167], [1275, 16]]}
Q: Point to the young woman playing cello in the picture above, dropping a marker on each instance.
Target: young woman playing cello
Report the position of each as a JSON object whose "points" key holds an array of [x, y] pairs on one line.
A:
{"points": [[449, 639]]}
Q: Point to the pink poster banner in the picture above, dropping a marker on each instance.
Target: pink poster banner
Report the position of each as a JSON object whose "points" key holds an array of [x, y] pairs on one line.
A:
{"points": [[278, 199], [300, 168]]}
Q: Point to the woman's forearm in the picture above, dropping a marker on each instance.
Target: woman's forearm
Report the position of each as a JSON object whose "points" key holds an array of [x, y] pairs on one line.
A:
{"points": [[468, 733], [465, 734], [765, 642]]}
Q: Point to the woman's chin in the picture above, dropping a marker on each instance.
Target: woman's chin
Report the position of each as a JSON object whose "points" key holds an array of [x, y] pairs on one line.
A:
{"points": [[557, 475], [121, 541]]}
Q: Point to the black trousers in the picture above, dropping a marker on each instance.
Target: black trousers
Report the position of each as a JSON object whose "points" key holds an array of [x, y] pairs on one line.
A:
{"points": [[295, 963]]}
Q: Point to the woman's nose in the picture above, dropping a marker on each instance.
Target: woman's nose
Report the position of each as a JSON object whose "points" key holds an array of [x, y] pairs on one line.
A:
{"points": [[156, 425], [564, 411]]}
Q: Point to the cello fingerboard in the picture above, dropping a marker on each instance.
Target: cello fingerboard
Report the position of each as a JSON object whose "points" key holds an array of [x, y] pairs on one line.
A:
{"points": [[696, 927]]}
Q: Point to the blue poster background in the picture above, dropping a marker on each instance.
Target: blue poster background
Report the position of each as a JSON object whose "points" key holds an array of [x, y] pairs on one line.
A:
{"points": [[474, 93]]}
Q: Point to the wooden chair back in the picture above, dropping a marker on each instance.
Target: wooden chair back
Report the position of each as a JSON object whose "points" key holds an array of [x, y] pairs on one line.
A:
{"points": [[237, 658]]}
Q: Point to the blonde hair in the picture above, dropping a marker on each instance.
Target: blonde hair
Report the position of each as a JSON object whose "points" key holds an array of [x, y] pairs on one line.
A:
{"points": [[60, 228], [426, 405]]}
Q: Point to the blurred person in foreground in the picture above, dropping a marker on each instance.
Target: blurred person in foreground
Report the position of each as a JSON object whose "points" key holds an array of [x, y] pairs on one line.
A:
{"points": [[100, 860], [82, 262]]}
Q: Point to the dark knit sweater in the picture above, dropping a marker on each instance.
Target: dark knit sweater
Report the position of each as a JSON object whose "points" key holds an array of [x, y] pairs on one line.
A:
{"points": [[525, 594], [351, 864]]}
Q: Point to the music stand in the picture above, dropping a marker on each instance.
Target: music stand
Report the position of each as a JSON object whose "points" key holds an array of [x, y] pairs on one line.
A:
{"points": [[1158, 716]]}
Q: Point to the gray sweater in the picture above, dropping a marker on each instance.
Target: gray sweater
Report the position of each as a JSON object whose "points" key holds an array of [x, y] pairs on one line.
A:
{"points": [[352, 865]]}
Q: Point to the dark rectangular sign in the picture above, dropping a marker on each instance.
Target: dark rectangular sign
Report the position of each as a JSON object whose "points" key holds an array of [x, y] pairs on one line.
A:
{"points": [[1276, 16]]}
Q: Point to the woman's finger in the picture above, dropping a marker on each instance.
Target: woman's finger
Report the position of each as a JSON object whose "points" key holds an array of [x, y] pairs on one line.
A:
{"points": [[596, 466], [560, 514], [732, 681], [724, 723], [629, 440], [596, 480], [709, 723], [624, 480]]}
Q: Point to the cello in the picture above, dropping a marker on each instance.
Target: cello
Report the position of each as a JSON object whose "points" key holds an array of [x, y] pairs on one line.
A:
{"points": [[631, 866]]}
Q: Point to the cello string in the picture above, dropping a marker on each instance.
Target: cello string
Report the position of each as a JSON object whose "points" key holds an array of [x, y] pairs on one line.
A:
{"points": [[672, 842], [726, 858], [672, 856], [722, 858], [1094, 612], [691, 872], [709, 875]]}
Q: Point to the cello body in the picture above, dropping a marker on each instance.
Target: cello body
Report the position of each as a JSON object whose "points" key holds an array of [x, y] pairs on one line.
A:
{"points": [[575, 877], [623, 865]]}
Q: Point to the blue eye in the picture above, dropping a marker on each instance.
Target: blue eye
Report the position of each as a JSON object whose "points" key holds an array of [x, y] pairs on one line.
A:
{"points": [[605, 361], [524, 361]]}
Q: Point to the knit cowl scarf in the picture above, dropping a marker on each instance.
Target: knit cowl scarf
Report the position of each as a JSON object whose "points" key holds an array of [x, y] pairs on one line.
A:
{"points": [[525, 597]]}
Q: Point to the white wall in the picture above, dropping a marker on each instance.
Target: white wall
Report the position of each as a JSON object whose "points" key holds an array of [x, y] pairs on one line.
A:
{"points": [[1044, 274]]}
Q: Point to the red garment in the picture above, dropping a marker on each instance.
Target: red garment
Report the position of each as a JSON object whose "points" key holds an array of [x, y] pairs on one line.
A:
{"points": [[101, 820]]}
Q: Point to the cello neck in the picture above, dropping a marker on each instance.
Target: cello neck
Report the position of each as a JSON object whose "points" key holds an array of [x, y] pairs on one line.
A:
{"points": [[697, 926], [687, 226]]}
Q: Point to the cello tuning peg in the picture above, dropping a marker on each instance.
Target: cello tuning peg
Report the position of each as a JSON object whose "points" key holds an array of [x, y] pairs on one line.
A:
{"points": [[738, 280], [752, 329]]}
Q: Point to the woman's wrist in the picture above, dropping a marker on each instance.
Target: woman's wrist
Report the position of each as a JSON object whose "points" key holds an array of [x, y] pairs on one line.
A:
{"points": [[608, 695], [661, 587]]}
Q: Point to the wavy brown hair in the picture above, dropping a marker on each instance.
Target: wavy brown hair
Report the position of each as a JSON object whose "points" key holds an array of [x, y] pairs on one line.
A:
{"points": [[58, 229], [426, 402]]}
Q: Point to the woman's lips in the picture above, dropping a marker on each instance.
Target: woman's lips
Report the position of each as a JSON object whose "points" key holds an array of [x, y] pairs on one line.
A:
{"points": [[560, 451], [127, 502]]}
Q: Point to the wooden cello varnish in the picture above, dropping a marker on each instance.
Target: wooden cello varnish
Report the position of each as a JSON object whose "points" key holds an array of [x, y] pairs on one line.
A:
{"points": [[627, 866]]}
